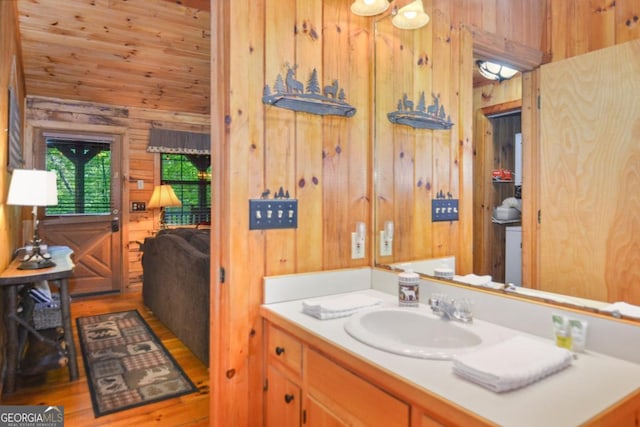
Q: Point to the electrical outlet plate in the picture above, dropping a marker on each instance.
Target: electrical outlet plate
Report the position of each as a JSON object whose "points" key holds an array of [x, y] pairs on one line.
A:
{"points": [[357, 249], [444, 210], [138, 206], [386, 248], [265, 214]]}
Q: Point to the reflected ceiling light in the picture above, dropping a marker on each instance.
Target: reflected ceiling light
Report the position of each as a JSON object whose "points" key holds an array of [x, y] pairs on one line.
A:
{"points": [[369, 7], [494, 71], [411, 16]]}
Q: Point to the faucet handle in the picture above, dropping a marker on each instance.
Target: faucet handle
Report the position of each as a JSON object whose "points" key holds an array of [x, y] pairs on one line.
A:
{"points": [[437, 299], [462, 310]]}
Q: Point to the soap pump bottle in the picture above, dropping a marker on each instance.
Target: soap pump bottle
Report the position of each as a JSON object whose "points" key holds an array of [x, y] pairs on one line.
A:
{"points": [[408, 289]]}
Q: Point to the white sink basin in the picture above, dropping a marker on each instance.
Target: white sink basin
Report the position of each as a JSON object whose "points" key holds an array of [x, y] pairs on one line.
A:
{"points": [[413, 332]]}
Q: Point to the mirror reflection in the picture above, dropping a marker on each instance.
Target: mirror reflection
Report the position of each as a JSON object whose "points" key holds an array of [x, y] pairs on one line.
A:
{"points": [[571, 256]]}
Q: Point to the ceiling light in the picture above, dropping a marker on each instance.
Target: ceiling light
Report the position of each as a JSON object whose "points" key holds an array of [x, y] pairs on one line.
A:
{"points": [[411, 16], [369, 7], [494, 71]]}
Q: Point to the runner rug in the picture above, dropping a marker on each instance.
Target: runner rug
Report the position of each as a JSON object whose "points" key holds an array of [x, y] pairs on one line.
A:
{"points": [[126, 364]]}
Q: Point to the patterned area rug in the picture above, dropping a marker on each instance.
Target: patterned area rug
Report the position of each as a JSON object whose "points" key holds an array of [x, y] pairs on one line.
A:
{"points": [[126, 364]]}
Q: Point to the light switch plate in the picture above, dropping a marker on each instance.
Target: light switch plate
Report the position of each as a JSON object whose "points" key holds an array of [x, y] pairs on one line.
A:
{"points": [[444, 210], [265, 214], [138, 206]]}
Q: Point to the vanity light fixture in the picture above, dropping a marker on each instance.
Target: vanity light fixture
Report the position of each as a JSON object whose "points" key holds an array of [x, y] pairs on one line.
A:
{"points": [[369, 7], [411, 16], [494, 71]]}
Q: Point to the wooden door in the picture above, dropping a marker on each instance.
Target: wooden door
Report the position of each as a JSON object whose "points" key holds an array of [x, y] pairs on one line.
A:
{"points": [[590, 175], [95, 237]]}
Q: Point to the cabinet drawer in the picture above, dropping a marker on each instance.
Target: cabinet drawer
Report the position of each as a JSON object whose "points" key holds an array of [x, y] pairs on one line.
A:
{"points": [[285, 349], [351, 398]]}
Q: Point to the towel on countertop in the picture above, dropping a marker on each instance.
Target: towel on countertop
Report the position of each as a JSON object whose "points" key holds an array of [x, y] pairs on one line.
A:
{"points": [[624, 309], [511, 364], [338, 306]]}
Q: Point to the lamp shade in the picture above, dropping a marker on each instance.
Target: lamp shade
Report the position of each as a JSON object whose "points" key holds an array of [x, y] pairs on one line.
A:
{"points": [[369, 7], [163, 196], [31, 187], [411, 16]]}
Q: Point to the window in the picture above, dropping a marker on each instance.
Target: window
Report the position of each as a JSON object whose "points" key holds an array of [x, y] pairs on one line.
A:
{"points": [[190, 177], [83, 170]]}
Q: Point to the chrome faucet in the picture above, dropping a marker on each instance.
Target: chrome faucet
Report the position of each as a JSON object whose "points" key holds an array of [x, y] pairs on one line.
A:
{"points": [[451, 309]]}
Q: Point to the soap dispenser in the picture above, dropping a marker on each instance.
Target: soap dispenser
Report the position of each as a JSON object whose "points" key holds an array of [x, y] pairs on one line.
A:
{"points": [[408, 289]]}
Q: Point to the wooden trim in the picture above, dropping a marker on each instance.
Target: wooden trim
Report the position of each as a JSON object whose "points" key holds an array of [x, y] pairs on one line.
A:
{"points": [[490, 46], [530, 179], [505, 107], [218, 355]]}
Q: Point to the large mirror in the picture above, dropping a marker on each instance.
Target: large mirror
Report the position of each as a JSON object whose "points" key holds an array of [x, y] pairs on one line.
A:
{"points": [[578, 220]]}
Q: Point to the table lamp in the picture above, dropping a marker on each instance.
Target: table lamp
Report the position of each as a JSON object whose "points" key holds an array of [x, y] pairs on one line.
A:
{"points": [[163, 197], [31, 187]]}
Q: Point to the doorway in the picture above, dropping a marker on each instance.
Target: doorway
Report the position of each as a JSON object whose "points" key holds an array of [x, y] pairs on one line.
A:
{"points": [[88, 215], [497, 182]]}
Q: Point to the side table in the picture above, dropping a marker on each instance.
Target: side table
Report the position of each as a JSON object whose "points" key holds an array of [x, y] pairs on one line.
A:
{"points": [[10, 280]]}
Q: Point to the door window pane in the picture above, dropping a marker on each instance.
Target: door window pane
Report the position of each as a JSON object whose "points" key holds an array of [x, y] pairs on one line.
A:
{"points": [[83, 170]]}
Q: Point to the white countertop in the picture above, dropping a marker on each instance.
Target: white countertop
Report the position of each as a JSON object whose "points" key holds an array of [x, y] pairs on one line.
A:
{"points": [[590, 385]]}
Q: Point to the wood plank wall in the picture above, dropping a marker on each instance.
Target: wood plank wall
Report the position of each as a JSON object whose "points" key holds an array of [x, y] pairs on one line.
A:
{"points": [[10, 216]]}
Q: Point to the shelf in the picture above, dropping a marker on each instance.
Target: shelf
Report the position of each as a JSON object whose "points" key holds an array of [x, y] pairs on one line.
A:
{"points": [[502, 181]]}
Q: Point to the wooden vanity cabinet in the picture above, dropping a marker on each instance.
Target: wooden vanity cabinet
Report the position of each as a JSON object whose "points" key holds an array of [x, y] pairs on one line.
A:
{"points": [[312, 383], [313, 390]]}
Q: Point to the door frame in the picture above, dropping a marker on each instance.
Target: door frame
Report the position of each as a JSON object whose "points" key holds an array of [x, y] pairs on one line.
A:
{"points": [[33, 136]]}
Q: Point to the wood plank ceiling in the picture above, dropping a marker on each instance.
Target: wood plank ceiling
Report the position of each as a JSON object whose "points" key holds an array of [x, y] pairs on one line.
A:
{"points": [[140, 53]]}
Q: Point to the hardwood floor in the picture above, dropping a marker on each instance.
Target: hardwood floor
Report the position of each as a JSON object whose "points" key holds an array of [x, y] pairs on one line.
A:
{"points": [[54, 388]]}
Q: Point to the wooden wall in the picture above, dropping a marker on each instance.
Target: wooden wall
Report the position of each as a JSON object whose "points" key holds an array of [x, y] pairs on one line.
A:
{"points": [[10, 216]]}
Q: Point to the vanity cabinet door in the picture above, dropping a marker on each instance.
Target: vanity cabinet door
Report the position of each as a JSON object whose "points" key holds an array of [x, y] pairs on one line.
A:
{"points": [[282, 400], [350, 398], [317, 415]]}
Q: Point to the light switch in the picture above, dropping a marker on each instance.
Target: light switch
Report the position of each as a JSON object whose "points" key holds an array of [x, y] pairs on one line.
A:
{"points": [[267, 214]]}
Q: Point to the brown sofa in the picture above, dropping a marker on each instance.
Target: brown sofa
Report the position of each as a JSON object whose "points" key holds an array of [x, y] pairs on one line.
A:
{"points": [[175, 288]]}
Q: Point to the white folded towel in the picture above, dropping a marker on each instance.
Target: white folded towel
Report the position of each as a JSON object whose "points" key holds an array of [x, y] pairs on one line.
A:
{"points": [[624, 309], [511, 364], [338, 306], [474, 279]]}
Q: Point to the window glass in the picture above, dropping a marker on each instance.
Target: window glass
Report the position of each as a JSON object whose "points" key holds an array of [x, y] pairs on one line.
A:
{"points": [[190, 177], [83, 172]]}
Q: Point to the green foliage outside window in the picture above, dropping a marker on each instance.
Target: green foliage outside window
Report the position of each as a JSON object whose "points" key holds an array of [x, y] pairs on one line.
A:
{"points": [[190, 177], [83, 172]]}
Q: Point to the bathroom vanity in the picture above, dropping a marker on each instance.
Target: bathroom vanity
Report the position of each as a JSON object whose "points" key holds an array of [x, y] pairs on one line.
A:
{"points": [[317, 374]]}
